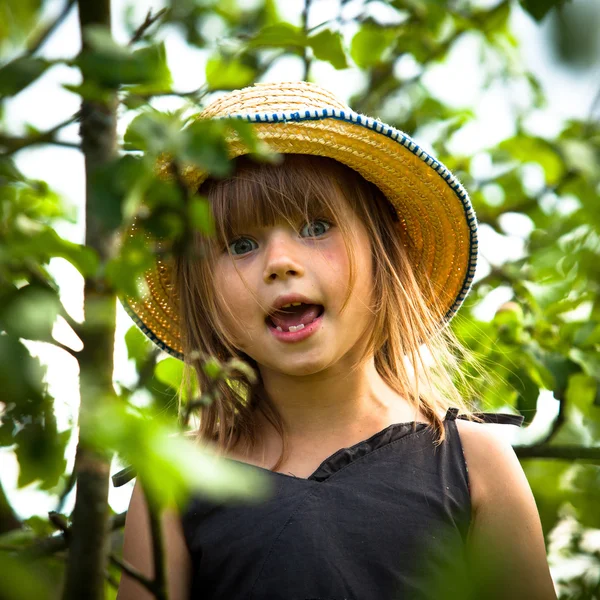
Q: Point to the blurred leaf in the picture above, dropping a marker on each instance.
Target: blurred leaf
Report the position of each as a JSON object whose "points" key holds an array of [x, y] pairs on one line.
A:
{"points": [[41, 452], [369, 44], [154, 132], [531, 149], [589, 361], [123, 271], [110, 65], [282, 35], [545, 295], [200, 215], [228, 73], [113, 182], [170, 372], [19, 73], [17, 18], [171, 466], [30, 312], [18, 582], [574, 28], [327, 45], [528, 392], [538, 9], [205, 146], [138, 346]]}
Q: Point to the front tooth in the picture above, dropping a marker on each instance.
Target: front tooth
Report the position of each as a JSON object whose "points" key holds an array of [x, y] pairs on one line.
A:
{"points": [[286, 306], [296, 303], [296, 327]]}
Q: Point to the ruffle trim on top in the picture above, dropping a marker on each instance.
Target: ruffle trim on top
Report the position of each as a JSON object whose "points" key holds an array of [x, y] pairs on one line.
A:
{"points": [[345, 456]]}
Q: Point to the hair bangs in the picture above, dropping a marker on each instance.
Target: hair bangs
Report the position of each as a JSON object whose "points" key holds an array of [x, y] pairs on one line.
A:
{"points": [[260, 194]]}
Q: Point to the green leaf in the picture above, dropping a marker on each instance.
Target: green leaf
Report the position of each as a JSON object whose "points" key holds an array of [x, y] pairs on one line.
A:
{"points": [[138, 346], [41, 453], [30, 312], [527, 393], [205, 145], [228, 73], [547, 294], [538, 9], [283, 35], [169, 465], [200, 214], [531, 149], [155, 132], [134, 259], [369, 44], [19, 73], [589, 361], [170, 372], [110, 65], [112, 185], [327, 45]]}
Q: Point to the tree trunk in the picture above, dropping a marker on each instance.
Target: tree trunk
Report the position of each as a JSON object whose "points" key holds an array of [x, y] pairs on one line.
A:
{"points": [[87, 562]]}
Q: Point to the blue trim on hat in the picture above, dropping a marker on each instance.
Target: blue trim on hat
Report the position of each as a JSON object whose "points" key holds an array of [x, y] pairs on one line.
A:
{"points": [[148, 332]]}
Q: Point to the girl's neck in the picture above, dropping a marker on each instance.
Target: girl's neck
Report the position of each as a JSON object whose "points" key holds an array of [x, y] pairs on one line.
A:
{"points": [[332, 407]]}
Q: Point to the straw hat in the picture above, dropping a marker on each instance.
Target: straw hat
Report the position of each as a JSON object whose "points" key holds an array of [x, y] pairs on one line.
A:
{"points": [[434, 209]]}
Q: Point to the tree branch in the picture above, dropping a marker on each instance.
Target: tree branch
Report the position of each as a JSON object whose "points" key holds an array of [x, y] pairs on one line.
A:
{"points": [[11, 144], [88, 549], [49, 29], [56, 543], [559, 452]]}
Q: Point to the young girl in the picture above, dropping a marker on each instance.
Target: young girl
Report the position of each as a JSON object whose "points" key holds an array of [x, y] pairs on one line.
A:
{"points": [[334, 274]]}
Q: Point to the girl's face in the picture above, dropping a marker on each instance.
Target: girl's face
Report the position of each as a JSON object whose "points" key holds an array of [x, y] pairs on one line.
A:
{"points": [[312, 261]]}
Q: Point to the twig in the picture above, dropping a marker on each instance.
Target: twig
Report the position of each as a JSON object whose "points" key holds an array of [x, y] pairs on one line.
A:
{"points": [[49, 29], [133, 573], [149, 21], [12, 144], [306, 58], [55, 543], [62, 346]]}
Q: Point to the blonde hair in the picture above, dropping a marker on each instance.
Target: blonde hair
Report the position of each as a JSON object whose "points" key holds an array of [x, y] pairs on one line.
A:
{"points": [[405, 325]]}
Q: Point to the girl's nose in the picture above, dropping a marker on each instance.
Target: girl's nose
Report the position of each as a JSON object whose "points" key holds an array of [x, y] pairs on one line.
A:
{"points": [[282, 257]]}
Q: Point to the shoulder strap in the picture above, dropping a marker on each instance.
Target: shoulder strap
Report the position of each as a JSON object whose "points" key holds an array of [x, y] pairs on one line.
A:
{"points": [[499, 418], [123, 477]]}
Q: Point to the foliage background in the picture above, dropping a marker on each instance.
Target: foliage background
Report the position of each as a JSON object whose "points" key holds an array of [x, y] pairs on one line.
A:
{"points": [[534, 313]]}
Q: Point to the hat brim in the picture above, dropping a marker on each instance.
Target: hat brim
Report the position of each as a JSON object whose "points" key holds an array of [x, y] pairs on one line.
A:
{"points": [[434, 210]]}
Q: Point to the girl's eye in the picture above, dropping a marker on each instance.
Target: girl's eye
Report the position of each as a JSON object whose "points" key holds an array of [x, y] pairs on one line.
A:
{"points": [[317, 221], [243, 245]]}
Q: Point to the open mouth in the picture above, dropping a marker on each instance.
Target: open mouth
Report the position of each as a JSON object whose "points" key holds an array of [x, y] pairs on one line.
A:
{"points": [[294, 318]]}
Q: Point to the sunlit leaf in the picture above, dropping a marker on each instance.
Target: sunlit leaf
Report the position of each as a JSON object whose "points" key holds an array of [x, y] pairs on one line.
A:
{"points": [[228, 73], [327, 45], [280, 35], [369, 44]]}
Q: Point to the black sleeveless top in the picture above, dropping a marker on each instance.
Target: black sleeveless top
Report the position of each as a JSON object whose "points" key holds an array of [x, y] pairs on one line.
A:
{"points": [[385, 519]]}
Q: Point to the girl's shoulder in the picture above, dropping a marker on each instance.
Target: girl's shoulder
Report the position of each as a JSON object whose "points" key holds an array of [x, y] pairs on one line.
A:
{"points": [[488, 455], [505, 534]]}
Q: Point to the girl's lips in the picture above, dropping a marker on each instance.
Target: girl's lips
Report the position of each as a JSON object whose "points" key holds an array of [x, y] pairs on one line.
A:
{"points": [[301, 334]]}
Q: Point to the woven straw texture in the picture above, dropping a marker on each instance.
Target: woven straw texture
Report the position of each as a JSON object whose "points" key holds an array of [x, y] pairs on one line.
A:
{"points": [[434, 210]]}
